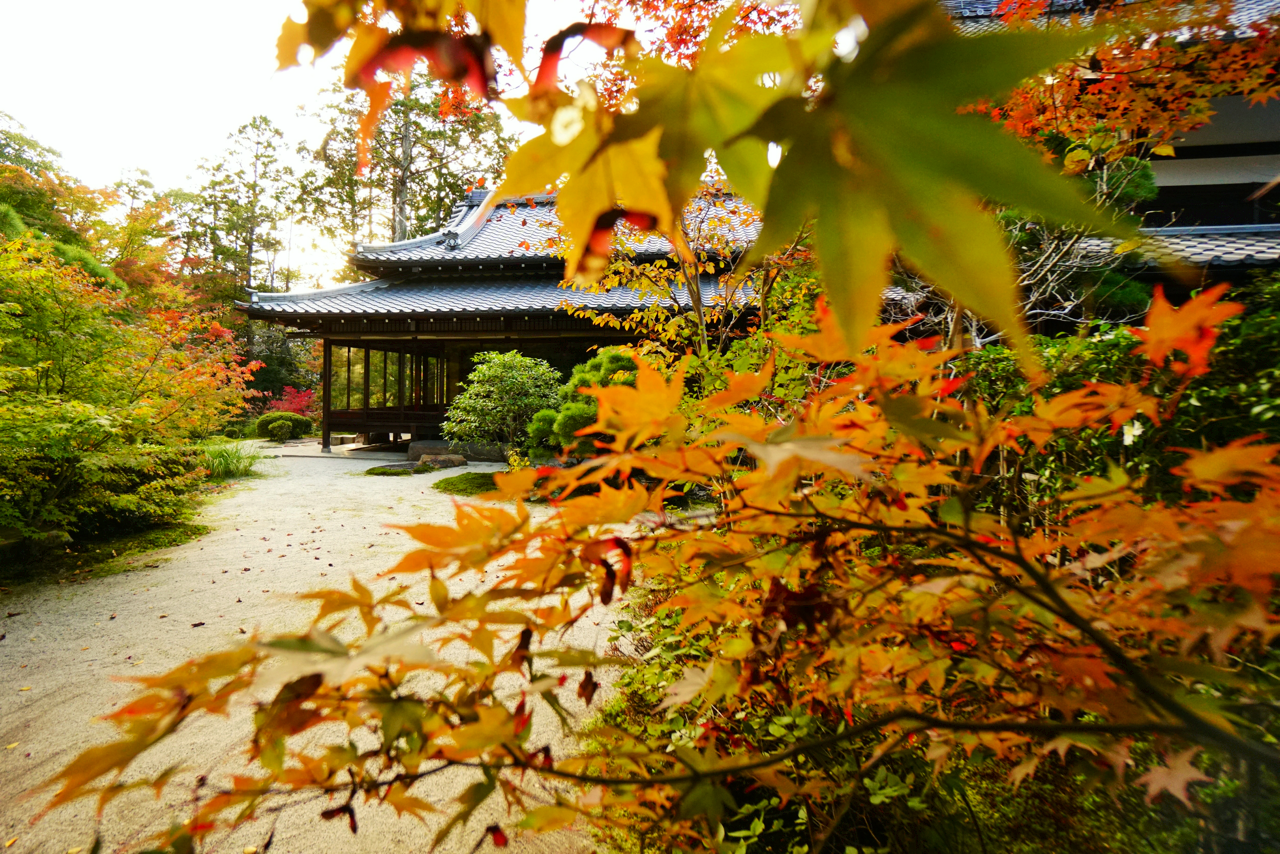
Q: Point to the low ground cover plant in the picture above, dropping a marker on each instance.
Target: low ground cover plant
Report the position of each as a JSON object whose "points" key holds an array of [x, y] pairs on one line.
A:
{"points": [[386, 471], [467, 484]]}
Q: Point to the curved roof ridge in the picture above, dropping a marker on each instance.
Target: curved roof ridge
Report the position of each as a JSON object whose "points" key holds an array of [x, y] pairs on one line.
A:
{"points": [[258, 297], [466, 228]]}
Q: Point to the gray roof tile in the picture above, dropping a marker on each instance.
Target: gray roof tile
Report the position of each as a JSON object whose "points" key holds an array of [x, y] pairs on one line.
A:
{"points": [[1207, 246], [415, 296], [979, 16], [418, 294], [527, 228]]}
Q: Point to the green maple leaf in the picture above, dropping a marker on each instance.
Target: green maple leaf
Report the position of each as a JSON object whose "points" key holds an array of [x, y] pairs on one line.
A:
{"points": [[885, 161], [699, 109]]}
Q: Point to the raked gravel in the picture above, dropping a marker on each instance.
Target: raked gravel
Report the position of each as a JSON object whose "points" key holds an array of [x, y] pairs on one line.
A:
{"points": [[309, 522]]}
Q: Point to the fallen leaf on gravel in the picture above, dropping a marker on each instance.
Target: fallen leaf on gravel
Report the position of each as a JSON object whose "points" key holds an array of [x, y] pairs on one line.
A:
{"points": [[9, 844], [250, 850], [75, 850], [11, 746], [237, 600], [14, 614], [242, 631], [83, 648], [113, 616], [196, 625], [150, 565], [162, 616], [28, 688]]}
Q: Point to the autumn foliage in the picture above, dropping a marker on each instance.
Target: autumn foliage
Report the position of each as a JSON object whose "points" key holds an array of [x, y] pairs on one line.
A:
{"points": [[847, 565], [844, 573]]}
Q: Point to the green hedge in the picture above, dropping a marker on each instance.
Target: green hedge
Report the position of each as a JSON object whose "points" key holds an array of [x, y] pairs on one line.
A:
{"points": [[299, 425], [43, 497]]}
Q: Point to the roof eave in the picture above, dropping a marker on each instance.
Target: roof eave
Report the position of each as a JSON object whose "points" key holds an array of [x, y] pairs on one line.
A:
{"points": [[454, 264]]}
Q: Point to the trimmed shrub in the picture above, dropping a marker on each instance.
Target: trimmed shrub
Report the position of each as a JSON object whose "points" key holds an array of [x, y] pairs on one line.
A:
{"points": [[553, 430], [281, 431], [299, 425], [231, 433], [499, 398]]}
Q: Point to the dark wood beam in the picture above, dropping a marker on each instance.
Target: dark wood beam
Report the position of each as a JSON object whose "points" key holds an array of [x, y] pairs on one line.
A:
{"points": [[326, 395]]}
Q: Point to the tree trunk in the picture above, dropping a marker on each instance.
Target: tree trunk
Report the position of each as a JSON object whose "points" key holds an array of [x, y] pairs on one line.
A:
{"points": [[400, 191]]}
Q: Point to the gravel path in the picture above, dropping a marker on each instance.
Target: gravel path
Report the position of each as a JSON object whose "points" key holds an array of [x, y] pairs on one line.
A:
{"points": [[311, 522]]}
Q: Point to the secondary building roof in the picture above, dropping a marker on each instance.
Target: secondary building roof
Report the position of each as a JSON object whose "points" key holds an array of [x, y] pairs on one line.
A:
{"points": [[1218, 245], [980, 15]]}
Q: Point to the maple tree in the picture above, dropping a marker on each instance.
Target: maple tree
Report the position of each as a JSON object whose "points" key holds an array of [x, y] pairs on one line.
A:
{"points": [[847, 569]]}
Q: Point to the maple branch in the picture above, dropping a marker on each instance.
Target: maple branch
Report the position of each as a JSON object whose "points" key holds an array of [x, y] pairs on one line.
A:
{"points": [[926, 722], [1052, 600]]}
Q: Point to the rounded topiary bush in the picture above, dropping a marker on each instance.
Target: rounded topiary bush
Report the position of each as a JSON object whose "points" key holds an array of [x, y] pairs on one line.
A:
{"points": [[231, 433], [281, 431], [299, 425]]}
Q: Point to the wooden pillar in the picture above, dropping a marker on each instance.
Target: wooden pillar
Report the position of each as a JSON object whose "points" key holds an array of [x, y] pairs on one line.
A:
{"points": [[326, 395], [366, 386], [452, 373]]}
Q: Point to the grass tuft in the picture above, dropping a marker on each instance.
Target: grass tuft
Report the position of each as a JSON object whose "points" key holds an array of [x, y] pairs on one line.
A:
{"points": [[229, 460], [385, 471]]}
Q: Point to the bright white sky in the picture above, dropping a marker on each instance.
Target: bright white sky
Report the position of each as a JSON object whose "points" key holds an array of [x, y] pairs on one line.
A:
{"points": [[159, 84], [151, 84], [118, 85]]}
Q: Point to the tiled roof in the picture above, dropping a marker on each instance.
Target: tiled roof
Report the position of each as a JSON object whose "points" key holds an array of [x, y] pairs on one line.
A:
{"points": [[971, 12], [1240, 246], [519, 229], [1217, 245], [415, 296], [1201, 246]]}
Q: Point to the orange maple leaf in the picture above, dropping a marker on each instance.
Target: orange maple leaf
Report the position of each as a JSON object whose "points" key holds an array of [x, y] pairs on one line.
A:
{"points": [[1191, 329], [1234, 463]]}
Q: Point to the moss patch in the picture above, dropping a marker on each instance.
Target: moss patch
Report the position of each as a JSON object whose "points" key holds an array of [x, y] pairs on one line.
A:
{"points": [[468, 483], [385, 471], [93, 558]]}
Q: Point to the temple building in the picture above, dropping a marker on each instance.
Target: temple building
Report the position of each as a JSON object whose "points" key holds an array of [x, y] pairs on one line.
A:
{"points": [[397, 346]]}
